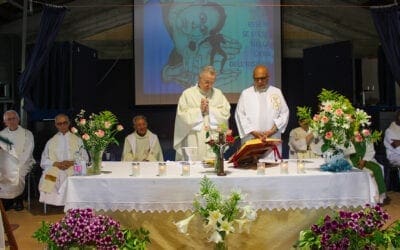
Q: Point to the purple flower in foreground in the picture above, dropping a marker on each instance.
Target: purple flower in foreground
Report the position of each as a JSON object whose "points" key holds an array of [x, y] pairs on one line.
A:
{"points": [[348, 230], [82, 226]]}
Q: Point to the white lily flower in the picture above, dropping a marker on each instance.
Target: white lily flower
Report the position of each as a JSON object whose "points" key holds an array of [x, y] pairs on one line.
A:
{"points": [[227, 227], [215, 216], [241, 223], [183, 224], [249, 213], [215, 237]]}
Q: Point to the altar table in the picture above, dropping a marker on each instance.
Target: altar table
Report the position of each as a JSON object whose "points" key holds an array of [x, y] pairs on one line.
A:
{"points": [[286, 203]]}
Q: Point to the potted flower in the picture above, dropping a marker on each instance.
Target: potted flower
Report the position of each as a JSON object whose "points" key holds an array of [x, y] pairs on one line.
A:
{"points": [[97, 132], [362, 229], [219, 145], [220, 215], [82, 229]]}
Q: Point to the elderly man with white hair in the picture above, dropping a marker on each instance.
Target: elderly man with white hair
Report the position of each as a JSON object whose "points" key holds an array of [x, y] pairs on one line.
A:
{"points": [[16, 160]]}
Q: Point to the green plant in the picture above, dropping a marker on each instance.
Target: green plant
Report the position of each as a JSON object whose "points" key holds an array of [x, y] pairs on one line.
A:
{"points": [[42, 235], [361, 229], [136, 240], [303, 113]]}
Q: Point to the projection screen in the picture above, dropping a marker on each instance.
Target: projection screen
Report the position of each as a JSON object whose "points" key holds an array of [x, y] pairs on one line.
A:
{"points": [[174, 39]]}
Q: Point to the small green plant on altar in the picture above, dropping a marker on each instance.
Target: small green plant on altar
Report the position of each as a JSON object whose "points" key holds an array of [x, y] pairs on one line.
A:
{"points": [[220, 215], [82, 229], [361, 229]]}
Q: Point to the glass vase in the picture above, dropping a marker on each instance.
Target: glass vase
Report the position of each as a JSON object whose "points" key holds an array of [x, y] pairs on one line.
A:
{"points": [[220, 246], [223, 245], [96, 160]]}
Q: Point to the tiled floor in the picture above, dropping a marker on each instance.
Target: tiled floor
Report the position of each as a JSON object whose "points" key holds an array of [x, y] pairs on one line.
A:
{"points": [[29, 221]]}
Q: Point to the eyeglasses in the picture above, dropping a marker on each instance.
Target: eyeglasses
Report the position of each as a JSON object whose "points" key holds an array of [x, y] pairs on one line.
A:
{"points": [[11, 119], [263, 78], [62, 123]]}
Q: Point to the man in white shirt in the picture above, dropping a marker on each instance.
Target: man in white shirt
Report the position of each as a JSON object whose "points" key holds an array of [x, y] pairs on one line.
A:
{"points": [[16, 160], [261, 111], [392, 141], [57, 162], [142, 144], [200, 108]]}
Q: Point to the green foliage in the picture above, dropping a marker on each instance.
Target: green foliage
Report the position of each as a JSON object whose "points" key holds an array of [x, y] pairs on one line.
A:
{"points": [[212, 200], [136, 240], [42, 235], [303, 113]]}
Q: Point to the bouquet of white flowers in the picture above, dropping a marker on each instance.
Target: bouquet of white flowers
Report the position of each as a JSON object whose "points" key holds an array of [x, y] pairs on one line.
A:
{"points": [[220, 215]]}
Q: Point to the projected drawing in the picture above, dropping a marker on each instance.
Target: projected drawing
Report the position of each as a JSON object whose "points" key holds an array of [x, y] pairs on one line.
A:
{"points": [[174, 39], [195, 29]]}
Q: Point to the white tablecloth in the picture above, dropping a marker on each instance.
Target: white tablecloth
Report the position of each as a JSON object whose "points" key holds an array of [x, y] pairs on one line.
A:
{"points": [[148, 192]]}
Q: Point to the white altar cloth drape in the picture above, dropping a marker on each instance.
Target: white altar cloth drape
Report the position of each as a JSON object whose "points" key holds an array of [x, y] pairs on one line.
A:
{"points": [[148, 192]]}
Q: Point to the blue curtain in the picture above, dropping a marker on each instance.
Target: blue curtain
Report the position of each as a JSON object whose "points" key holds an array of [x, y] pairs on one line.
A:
{"points": [[49, 26], [51, 88], [387, 24]]}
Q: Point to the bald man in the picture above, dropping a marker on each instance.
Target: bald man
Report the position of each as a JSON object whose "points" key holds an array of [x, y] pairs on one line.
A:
{"points": [[261, 111]]}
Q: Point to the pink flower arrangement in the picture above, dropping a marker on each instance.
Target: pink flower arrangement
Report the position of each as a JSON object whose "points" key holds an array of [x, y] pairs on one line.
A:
{"points": [[98, 130], [338, 123]]}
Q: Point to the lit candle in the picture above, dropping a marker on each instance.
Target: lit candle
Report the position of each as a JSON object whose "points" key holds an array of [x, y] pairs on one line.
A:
{"points": [[284, 167], [185, 169], [135, 168], [300, 167], [162, 169], [260, 168]]}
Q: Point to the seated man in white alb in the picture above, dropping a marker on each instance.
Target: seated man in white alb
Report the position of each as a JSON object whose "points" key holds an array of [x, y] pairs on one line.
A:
{"points": [[57, 162], [16, 160], [301, 141], [392, 141], [142, 144]]}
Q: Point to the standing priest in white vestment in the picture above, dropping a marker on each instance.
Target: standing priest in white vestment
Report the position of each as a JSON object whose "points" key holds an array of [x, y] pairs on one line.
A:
{"points": [[57, 162], [261, 111], [142, 144], [15, 160], [200, 107], [392, 141]]}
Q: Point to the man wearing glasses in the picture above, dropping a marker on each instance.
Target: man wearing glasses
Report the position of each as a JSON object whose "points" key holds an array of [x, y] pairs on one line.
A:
{"points": [[16, 160], [261, 111], [57, 162]]}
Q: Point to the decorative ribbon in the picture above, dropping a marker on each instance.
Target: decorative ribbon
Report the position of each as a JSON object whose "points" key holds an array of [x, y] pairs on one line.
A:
{"points": [[276, 153]]}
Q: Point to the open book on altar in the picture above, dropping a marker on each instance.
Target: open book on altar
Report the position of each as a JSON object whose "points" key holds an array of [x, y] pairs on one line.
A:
{"points": [[252, 150]]}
